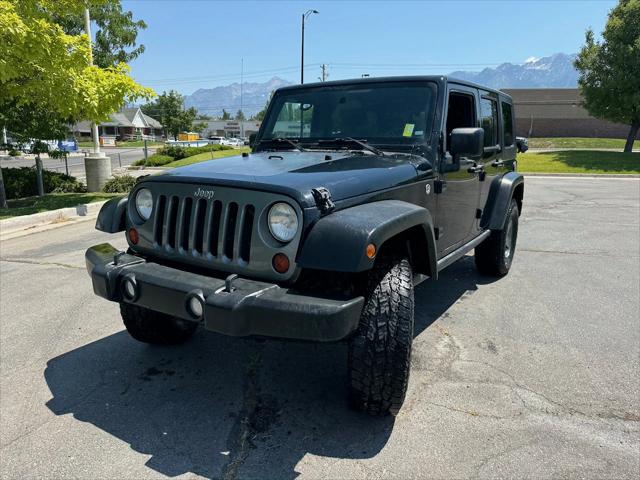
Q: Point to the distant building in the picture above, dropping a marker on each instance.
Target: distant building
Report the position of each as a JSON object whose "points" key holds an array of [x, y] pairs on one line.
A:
{"points": [[558, 112], [127, 124], [230, 128]]}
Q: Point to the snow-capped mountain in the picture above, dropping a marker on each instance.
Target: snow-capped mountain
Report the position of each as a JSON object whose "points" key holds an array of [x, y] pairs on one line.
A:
{"points": [[554, 71], [211, 101]]}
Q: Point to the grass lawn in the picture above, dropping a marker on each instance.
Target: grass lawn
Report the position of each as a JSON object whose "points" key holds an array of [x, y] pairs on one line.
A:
{"points": [[579, 143], [51, 201], [203, 157], [579, 161]]}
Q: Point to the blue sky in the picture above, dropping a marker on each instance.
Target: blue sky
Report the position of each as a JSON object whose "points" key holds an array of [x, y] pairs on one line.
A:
{"points": [[199, 44]]}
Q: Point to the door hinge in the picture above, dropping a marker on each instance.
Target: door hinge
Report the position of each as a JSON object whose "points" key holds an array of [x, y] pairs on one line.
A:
{"points": [[478, 213], [437, 186], [437, 232], [323, 199]]}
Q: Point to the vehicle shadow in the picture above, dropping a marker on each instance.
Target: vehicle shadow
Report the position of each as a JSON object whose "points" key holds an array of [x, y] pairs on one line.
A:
{"points": [[224, 407]]}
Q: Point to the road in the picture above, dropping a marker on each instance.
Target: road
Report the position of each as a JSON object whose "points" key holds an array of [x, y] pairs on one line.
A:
{"points": [[535, 375], [119, 157]]}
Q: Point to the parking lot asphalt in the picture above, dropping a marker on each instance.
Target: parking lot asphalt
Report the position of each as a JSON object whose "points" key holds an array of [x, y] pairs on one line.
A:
{"points": [[536, 375]]}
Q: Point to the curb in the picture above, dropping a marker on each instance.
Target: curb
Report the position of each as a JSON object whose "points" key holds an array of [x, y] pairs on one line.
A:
{"points": [[11, 225], [581, 175]]}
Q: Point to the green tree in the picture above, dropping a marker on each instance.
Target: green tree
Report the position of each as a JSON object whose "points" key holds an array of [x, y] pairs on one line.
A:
{"points": [[43, 65], [610, 69], [29, 123], [240, 115], [115, 35], [169, 109], [225, 115], [46, 76]]}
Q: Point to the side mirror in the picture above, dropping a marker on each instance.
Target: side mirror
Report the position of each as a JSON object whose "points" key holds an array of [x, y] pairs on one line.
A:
{"points": [[467, 142], [252, 139]]}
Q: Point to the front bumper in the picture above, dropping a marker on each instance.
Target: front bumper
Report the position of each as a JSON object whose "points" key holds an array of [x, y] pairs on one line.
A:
{"points": [[251, 308]]}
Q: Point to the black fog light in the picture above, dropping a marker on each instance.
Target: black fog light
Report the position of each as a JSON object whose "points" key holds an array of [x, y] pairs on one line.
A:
{"points": [[195, 304], [129, 288]]}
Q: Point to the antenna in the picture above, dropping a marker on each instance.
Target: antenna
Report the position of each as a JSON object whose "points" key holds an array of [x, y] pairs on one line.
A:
{"points": [[241, 95]]}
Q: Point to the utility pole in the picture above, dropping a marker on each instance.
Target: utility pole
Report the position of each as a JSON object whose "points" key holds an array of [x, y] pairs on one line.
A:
{"points": [[325, 74], [97, 166]]}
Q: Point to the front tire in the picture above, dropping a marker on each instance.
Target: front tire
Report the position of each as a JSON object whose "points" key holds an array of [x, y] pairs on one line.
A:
{"points": [[495, 255], [155, 328], [380, 350]]}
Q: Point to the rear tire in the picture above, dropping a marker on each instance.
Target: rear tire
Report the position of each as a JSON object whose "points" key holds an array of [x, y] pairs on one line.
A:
{"points": [[155, 328], [495, 255], [380, 350]]}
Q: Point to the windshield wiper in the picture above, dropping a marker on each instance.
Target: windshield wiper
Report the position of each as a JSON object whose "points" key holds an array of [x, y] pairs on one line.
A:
{"points": [[295, 145], [350, 140]]}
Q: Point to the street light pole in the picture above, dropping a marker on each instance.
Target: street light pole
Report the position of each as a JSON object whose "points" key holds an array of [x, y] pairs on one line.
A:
{"points": [[304, 17], [94, 126]]}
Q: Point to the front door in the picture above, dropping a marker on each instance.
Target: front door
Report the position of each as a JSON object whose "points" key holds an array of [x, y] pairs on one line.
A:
{"points": [[458, 200]]}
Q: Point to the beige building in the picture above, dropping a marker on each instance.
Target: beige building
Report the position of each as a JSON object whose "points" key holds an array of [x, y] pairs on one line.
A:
{"points": [[557, 112]]}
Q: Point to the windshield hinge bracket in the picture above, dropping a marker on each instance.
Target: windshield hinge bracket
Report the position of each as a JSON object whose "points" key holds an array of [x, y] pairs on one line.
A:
{"points": [[322, 196]]}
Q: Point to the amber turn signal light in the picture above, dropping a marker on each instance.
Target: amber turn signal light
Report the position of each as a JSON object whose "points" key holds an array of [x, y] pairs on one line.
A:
{"points": [[371, 250], [133, 236], [280, 263]]}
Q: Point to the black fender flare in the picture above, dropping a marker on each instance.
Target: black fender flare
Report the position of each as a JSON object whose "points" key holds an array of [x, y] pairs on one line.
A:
{"points": [[501, 192], [338, 241], [111, 218]]}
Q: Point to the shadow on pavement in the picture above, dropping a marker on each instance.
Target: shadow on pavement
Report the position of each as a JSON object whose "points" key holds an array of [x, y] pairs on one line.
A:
{"points": [[221, 407]]}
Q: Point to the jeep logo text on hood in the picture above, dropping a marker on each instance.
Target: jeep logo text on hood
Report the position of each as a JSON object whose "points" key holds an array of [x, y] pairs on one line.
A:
{"points": [[200, 193]]}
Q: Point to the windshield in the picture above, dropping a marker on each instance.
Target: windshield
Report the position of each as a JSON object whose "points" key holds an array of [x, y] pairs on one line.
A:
{"points": [[398, 113]]}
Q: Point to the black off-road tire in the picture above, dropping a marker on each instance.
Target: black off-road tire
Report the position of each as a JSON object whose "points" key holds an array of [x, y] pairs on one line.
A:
{"points": [[154, 327], [380, 350], [495, 255]]}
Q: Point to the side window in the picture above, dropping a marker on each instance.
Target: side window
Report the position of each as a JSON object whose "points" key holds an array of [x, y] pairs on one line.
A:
{"points": [[489, 121], [461, 113], [507, 120]]}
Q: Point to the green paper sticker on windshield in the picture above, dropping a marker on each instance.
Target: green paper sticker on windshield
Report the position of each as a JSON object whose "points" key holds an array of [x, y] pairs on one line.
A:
{"points": [[408, 129]]}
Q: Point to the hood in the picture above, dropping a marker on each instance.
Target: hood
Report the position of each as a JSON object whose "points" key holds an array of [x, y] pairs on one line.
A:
{"points": [[294, 174]]}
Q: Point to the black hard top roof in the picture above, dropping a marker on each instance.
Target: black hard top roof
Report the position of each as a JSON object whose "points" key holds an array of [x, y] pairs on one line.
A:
{"points": [[440, 79]]}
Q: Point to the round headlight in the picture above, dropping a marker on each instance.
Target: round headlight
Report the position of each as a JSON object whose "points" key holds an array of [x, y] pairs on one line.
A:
{"points": [[283, 222], [144, 203]]}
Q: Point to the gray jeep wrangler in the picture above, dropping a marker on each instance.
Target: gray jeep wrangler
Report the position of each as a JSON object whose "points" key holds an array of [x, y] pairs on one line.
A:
{"points": [[354, 192]]}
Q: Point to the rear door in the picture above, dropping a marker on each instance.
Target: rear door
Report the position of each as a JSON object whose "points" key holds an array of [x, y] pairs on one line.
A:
{"points": [[490, 123]]}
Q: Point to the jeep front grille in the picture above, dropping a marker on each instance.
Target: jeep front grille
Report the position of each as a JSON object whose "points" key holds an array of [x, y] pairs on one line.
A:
{"points": [[204, 228]]}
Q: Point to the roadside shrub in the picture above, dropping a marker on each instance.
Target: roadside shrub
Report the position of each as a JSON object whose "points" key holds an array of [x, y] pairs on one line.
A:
{"points": [[22, 182], [14, 153], [178, 153], [119, 184], [155, 160], [172, 151]]}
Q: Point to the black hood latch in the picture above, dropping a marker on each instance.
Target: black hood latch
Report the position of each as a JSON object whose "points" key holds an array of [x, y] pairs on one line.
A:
{"points": [[322, 196]]}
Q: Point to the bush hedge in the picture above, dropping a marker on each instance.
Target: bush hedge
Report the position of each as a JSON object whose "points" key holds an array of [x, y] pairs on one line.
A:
{"points": [[178, 153], [155, 160], [119, 184], [22, 182]]}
